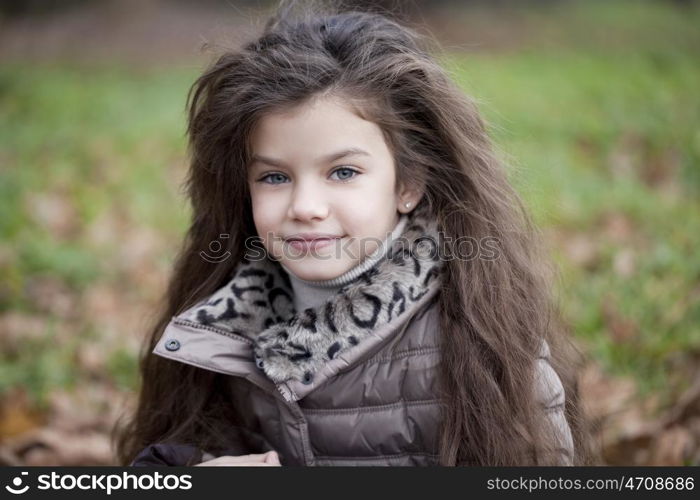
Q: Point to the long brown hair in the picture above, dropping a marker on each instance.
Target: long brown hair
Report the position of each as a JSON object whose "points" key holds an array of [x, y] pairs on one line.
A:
{"points": [[495, 312]]}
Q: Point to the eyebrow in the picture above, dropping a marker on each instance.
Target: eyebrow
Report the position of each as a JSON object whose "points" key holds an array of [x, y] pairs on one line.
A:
{"points": [[324, 159]]}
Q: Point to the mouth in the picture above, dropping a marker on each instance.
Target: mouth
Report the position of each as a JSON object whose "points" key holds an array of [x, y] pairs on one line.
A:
{"points": [[311, 244]]}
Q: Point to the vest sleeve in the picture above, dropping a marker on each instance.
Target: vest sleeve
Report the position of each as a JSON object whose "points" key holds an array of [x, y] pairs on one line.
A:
{"points": [[550, 393], [242, 442], [169, 455]]}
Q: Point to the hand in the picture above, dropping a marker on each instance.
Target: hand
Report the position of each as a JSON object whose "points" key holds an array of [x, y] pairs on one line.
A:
{"points": [[269, 459]]}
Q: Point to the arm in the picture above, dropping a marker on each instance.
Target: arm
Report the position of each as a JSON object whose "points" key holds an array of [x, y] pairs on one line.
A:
{"points": [[550, 393]]}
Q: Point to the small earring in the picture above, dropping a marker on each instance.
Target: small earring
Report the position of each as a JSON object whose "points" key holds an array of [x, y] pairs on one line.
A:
{"points": [[407, 204]]}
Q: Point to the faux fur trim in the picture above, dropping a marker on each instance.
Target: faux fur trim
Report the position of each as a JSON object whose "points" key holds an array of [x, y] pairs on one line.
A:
{"points": [[257, 304]]}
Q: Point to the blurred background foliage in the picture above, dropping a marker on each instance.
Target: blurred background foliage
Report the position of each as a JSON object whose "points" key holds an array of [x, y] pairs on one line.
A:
{"points": [[594, 105]]}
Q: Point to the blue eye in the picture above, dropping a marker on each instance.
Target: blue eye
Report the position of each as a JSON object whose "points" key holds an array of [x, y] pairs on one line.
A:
{"points": [[271, 176], [345, 175], [347, 170]]}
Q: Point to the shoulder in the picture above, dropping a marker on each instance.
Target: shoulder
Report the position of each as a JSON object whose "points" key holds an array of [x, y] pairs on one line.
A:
{"points": [[549, 389], [550, 393]]}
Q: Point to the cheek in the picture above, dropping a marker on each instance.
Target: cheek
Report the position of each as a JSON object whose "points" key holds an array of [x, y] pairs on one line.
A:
{"points": [[268, 216], [265, 208], [264, 221], [265, 225], [371, 206]]}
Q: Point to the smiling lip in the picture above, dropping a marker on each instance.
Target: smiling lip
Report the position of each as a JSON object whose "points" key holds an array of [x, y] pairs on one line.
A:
{"points": [[307, 237], [311, 241]]}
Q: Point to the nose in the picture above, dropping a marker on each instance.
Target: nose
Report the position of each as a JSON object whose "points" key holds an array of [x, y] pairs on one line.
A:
{"points": [[307, 202]]}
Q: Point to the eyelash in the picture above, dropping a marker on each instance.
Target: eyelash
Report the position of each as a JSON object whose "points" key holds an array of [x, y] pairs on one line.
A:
{"points": [[262, 179]]}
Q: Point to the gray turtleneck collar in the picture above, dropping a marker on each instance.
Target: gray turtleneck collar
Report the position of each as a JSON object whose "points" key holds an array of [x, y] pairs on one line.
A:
{"points": [[313, 293]]}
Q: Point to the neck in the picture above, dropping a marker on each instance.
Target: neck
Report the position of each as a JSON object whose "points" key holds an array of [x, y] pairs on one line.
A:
{"points": [[312, 293]]}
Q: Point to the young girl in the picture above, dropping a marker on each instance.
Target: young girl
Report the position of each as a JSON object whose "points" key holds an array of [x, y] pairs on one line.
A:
{"points": [[379, 298]]}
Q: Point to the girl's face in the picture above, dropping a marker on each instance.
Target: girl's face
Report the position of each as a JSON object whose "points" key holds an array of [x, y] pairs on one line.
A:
{"points": [[320, 168]]}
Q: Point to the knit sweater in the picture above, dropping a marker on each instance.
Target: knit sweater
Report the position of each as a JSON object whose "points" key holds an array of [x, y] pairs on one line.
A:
{"points": [[313, 293]]}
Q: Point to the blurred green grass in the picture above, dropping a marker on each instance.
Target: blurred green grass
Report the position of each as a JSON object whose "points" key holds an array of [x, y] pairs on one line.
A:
{"points": [[602, 136], [605, 149]]}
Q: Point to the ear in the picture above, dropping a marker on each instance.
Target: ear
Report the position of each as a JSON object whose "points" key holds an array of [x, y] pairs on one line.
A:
{"points": [[408, 197]]}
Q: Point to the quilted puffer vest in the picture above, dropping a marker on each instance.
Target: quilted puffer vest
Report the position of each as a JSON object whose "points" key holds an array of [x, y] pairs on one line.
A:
{"points": [[350, 382]]}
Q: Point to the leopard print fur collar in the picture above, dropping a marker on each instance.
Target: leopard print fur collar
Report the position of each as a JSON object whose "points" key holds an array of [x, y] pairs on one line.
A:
{"points": [[257, 304]]}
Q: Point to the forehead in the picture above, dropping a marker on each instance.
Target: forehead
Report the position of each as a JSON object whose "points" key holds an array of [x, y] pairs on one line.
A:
{"points": [[313, 128]]}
